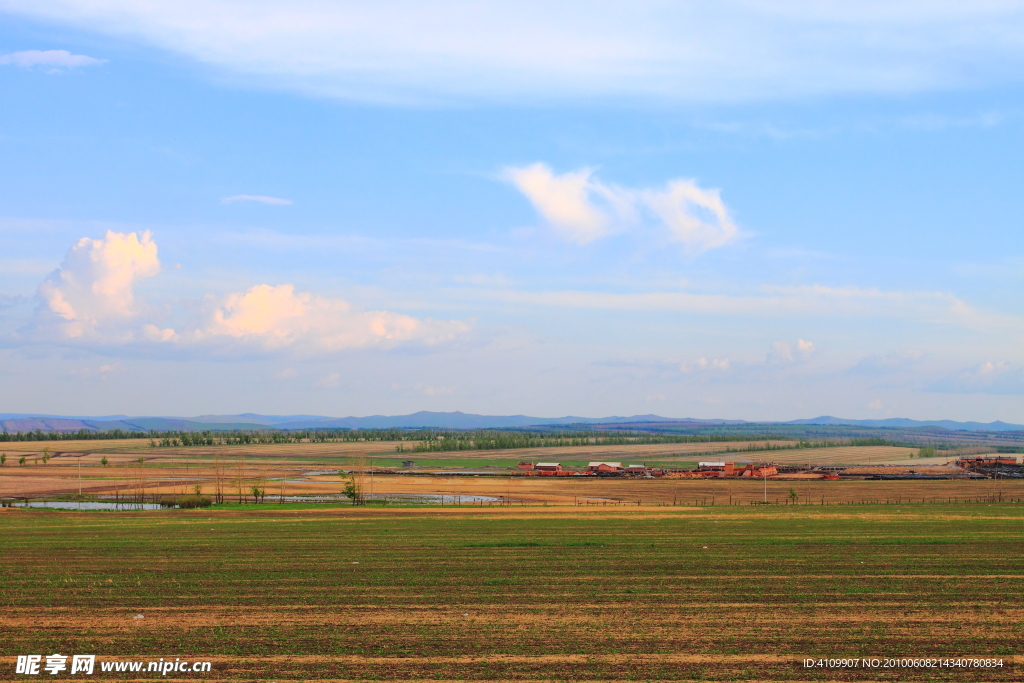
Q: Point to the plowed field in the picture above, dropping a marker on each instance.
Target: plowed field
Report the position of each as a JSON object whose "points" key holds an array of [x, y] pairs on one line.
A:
{"points": [[519, 593]]}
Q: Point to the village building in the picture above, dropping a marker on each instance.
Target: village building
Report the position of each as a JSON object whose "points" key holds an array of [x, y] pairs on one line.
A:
{"points": [[762, 470], [986, 461], [604, 467], [716, 469]]}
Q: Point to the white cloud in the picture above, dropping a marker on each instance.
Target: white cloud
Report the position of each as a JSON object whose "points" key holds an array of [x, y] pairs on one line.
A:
{"points": [[784, 353], [273, 317], [275, 201], [582, 209], [565, 201], [54, 59], [706, 364], [94, 286], [697, 218], [453, 51], [90, 299]]}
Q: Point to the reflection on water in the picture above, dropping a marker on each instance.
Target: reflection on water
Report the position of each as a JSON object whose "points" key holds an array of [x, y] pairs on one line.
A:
{"points": [[413, 498], [75, 505], [416, 498]]}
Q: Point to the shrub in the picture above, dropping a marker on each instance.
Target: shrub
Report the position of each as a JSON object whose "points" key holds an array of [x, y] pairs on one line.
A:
{"points": [[186, 502]]}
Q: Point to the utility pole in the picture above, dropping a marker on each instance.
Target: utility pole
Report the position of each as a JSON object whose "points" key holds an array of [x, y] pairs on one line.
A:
{"points": [[79, 475], [764, 473]]}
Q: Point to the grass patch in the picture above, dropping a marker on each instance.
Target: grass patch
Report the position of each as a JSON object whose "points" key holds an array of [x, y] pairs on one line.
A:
{"points": [[504, 544]]}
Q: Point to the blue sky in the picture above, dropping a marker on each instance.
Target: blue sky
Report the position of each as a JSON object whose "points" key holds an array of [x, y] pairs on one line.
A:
{"points": [[758, 210]]}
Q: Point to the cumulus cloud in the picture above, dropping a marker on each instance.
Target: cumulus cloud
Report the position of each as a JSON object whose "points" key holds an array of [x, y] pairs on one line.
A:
{"points": [[53, 59], [784, 353], [582, 209], [90, 299], [641, 50], [93, 289], [262, 199], [276, 316], [990, 377]]}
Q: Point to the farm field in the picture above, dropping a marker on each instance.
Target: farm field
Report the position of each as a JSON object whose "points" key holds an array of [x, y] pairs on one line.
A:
{"points": [[278, 480], [520, 593], [77, 465]]}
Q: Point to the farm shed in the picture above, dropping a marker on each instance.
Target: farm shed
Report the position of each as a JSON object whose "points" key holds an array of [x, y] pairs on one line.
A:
{"points": [[604, 467], [548, 468]]}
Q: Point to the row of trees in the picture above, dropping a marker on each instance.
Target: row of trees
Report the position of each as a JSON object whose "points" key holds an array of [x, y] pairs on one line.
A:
{"points": [[80, 435], [447, 441], [179, 439]]}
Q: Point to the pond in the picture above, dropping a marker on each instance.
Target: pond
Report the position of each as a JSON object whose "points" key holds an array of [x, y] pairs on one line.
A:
{"points": [[76, 505]]}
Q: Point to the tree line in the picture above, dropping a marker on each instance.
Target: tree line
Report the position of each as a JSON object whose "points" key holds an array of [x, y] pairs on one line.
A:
{"points": [[486, 440], [434, 440]]}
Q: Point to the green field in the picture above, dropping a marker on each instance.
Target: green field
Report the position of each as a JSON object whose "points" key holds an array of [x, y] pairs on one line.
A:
{"points": [[519, 593]]}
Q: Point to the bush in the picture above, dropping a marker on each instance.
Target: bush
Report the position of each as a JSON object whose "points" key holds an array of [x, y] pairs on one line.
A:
{"points": [[187, 502]]}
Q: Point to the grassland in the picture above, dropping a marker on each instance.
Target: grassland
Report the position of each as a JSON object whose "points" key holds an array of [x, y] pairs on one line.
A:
{"points": [[520, 593]]}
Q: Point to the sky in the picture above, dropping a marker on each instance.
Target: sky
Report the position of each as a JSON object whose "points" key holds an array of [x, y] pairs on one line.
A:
{"points": [[760, 210]]}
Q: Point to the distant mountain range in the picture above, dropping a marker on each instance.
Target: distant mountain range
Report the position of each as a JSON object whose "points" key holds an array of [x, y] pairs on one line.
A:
{"points": [[14, 422]]}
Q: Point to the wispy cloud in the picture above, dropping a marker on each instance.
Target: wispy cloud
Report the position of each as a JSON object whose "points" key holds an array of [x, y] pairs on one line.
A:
{"points": [[990, 377], [782, 359], [581, 208], [823, 301], [329, 381], [880, 365], [262, 199], [647, 50], [102, 372], [53, 60]]}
